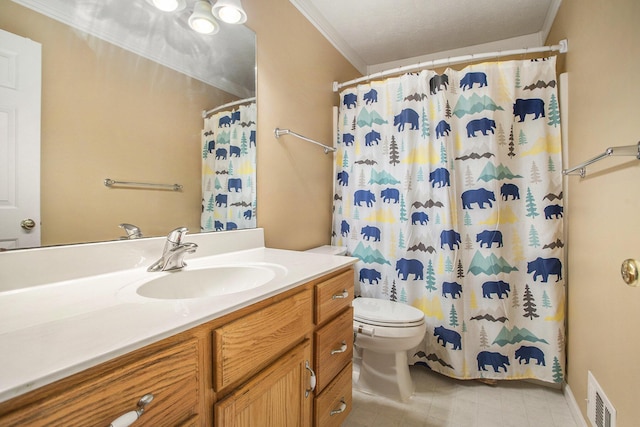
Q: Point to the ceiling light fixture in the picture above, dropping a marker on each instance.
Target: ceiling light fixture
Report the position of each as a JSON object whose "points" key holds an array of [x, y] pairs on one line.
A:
{"points": [[201, 20], [168, 5], [229, 11]]}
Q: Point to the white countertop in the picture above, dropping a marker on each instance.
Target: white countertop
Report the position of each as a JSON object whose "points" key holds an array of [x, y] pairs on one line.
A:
{"points": [[51, 331]]}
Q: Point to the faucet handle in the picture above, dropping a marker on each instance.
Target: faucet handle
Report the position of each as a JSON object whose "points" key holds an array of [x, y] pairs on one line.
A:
{"points": [[132, 231], [176, 236]]}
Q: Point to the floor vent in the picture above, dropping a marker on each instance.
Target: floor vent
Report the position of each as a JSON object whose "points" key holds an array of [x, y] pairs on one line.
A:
{"points": [[600, 411]]}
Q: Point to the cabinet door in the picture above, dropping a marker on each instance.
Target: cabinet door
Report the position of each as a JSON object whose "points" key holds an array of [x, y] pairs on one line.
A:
{"points": [[171, 375], [277, 396]]}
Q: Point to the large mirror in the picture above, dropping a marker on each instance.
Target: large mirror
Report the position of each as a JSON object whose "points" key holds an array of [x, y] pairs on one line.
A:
{"points": [[125, 88]]}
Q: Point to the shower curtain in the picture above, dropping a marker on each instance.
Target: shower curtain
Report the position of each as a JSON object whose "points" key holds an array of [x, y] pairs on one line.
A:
{"points": [[449, 191], [229, 169]]}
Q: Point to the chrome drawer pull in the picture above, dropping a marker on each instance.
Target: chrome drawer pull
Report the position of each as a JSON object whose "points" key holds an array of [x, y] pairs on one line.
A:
{"points": [[130, 417], [344, 294], [343, 407], [342, 348], [312, 380]]}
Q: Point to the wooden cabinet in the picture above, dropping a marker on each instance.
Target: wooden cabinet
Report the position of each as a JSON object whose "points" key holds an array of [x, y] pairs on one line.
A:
{"points": [[251, 367], [252, 347], [333, 295], [169, 374], [275, 397], [334, 403], [334, 349], [246, 345]]}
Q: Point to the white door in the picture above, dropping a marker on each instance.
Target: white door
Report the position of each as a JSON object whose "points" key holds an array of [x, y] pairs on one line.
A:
{"points": [[20, 83]]}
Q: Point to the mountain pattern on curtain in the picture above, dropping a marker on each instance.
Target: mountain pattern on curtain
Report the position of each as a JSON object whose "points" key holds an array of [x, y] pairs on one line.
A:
{"points": [[229, 169], [449, 191]]}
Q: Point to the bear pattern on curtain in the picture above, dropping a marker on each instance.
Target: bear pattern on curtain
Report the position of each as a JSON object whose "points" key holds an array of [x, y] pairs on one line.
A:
{"points": [[449, 191], [229, 169]]}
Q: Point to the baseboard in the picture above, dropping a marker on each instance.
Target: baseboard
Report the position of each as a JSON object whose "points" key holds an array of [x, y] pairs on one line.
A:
{"points": [[573, 406]]}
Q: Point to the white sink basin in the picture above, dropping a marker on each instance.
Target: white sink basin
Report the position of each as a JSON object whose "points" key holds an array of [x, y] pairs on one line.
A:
{"points": [[208, 281]]}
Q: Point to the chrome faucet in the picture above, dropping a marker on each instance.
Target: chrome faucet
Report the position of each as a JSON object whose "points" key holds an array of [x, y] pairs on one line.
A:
{"points": [[132, 231], [174, 252]]}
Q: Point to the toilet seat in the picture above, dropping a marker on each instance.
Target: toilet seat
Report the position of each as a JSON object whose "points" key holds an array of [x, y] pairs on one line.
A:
{"points": [[389, 314]]}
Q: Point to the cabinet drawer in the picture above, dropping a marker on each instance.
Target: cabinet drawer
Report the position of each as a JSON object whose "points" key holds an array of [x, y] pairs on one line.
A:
{"points": [[334, 347], [245, 346], [333, 295], [334, 404], [171, 375]]}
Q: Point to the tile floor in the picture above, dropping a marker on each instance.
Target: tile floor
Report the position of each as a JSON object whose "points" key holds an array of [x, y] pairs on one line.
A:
{"points": [[440, 401]]}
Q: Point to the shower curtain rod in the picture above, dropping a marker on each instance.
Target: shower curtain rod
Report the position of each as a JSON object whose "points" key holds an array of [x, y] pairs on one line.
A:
{"points": [[230, 104], [561, 47], [625, 150]]}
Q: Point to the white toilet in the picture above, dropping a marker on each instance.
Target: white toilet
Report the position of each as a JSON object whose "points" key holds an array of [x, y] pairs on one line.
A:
{"points": [[384, 331], [329, 250]]}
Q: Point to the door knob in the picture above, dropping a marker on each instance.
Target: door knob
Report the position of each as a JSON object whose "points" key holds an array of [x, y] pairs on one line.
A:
{"points": [[27, 224], [629, 272]]}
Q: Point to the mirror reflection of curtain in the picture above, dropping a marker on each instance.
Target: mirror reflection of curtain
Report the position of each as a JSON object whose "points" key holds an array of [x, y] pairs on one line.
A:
{"points": [[229, 169]]}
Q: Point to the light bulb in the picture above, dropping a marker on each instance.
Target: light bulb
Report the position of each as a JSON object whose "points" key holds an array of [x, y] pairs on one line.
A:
{"points": [[201, 20], [166, 5], [229, 11], [230, 15], [202, 26]]}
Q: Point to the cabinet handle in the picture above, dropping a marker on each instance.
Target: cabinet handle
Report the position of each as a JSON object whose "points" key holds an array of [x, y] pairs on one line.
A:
{"points": [[341, 409], [344, 294], [312, 380], [342, 349], [130, 417]]}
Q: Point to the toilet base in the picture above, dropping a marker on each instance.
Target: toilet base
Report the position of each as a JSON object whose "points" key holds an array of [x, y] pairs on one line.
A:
{"points": [[385, 374]]}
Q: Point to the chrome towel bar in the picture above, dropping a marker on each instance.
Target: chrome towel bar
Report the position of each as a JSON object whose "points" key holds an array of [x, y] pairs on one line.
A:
{"points": [[279, 132], [108, 182], [625, 150]]}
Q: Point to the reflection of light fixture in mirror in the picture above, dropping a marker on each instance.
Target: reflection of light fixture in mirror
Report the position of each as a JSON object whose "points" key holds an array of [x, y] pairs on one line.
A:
{"points": [[168, 5], [201, 20], [229, 11]]}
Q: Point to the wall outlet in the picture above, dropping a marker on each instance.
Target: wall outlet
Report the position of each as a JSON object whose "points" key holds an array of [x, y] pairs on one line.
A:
{"points": [[600, 411]]}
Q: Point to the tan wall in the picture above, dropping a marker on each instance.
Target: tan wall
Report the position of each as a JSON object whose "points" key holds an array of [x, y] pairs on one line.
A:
{"points": [[107, 113], [296, 66], [603, 63]]}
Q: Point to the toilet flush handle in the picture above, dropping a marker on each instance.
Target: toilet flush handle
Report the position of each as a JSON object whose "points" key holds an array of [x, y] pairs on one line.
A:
{"points": [[365, 331]]}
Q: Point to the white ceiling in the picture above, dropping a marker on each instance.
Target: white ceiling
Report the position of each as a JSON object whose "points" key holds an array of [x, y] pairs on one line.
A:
{"points": [[375, 35]]}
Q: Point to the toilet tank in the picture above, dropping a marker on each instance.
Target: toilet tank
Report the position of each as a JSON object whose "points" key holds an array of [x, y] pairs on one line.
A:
{"points": [[329, 250]]}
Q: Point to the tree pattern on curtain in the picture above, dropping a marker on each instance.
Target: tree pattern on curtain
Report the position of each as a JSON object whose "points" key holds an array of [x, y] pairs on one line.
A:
{"points": [[449, 191], [229, 169]]}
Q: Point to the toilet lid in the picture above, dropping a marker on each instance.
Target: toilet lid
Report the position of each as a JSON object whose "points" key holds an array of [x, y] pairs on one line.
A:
{"points": [[385, 313]]}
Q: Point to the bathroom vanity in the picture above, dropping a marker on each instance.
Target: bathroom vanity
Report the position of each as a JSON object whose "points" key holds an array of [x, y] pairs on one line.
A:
{"points": [[277, 354]]}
